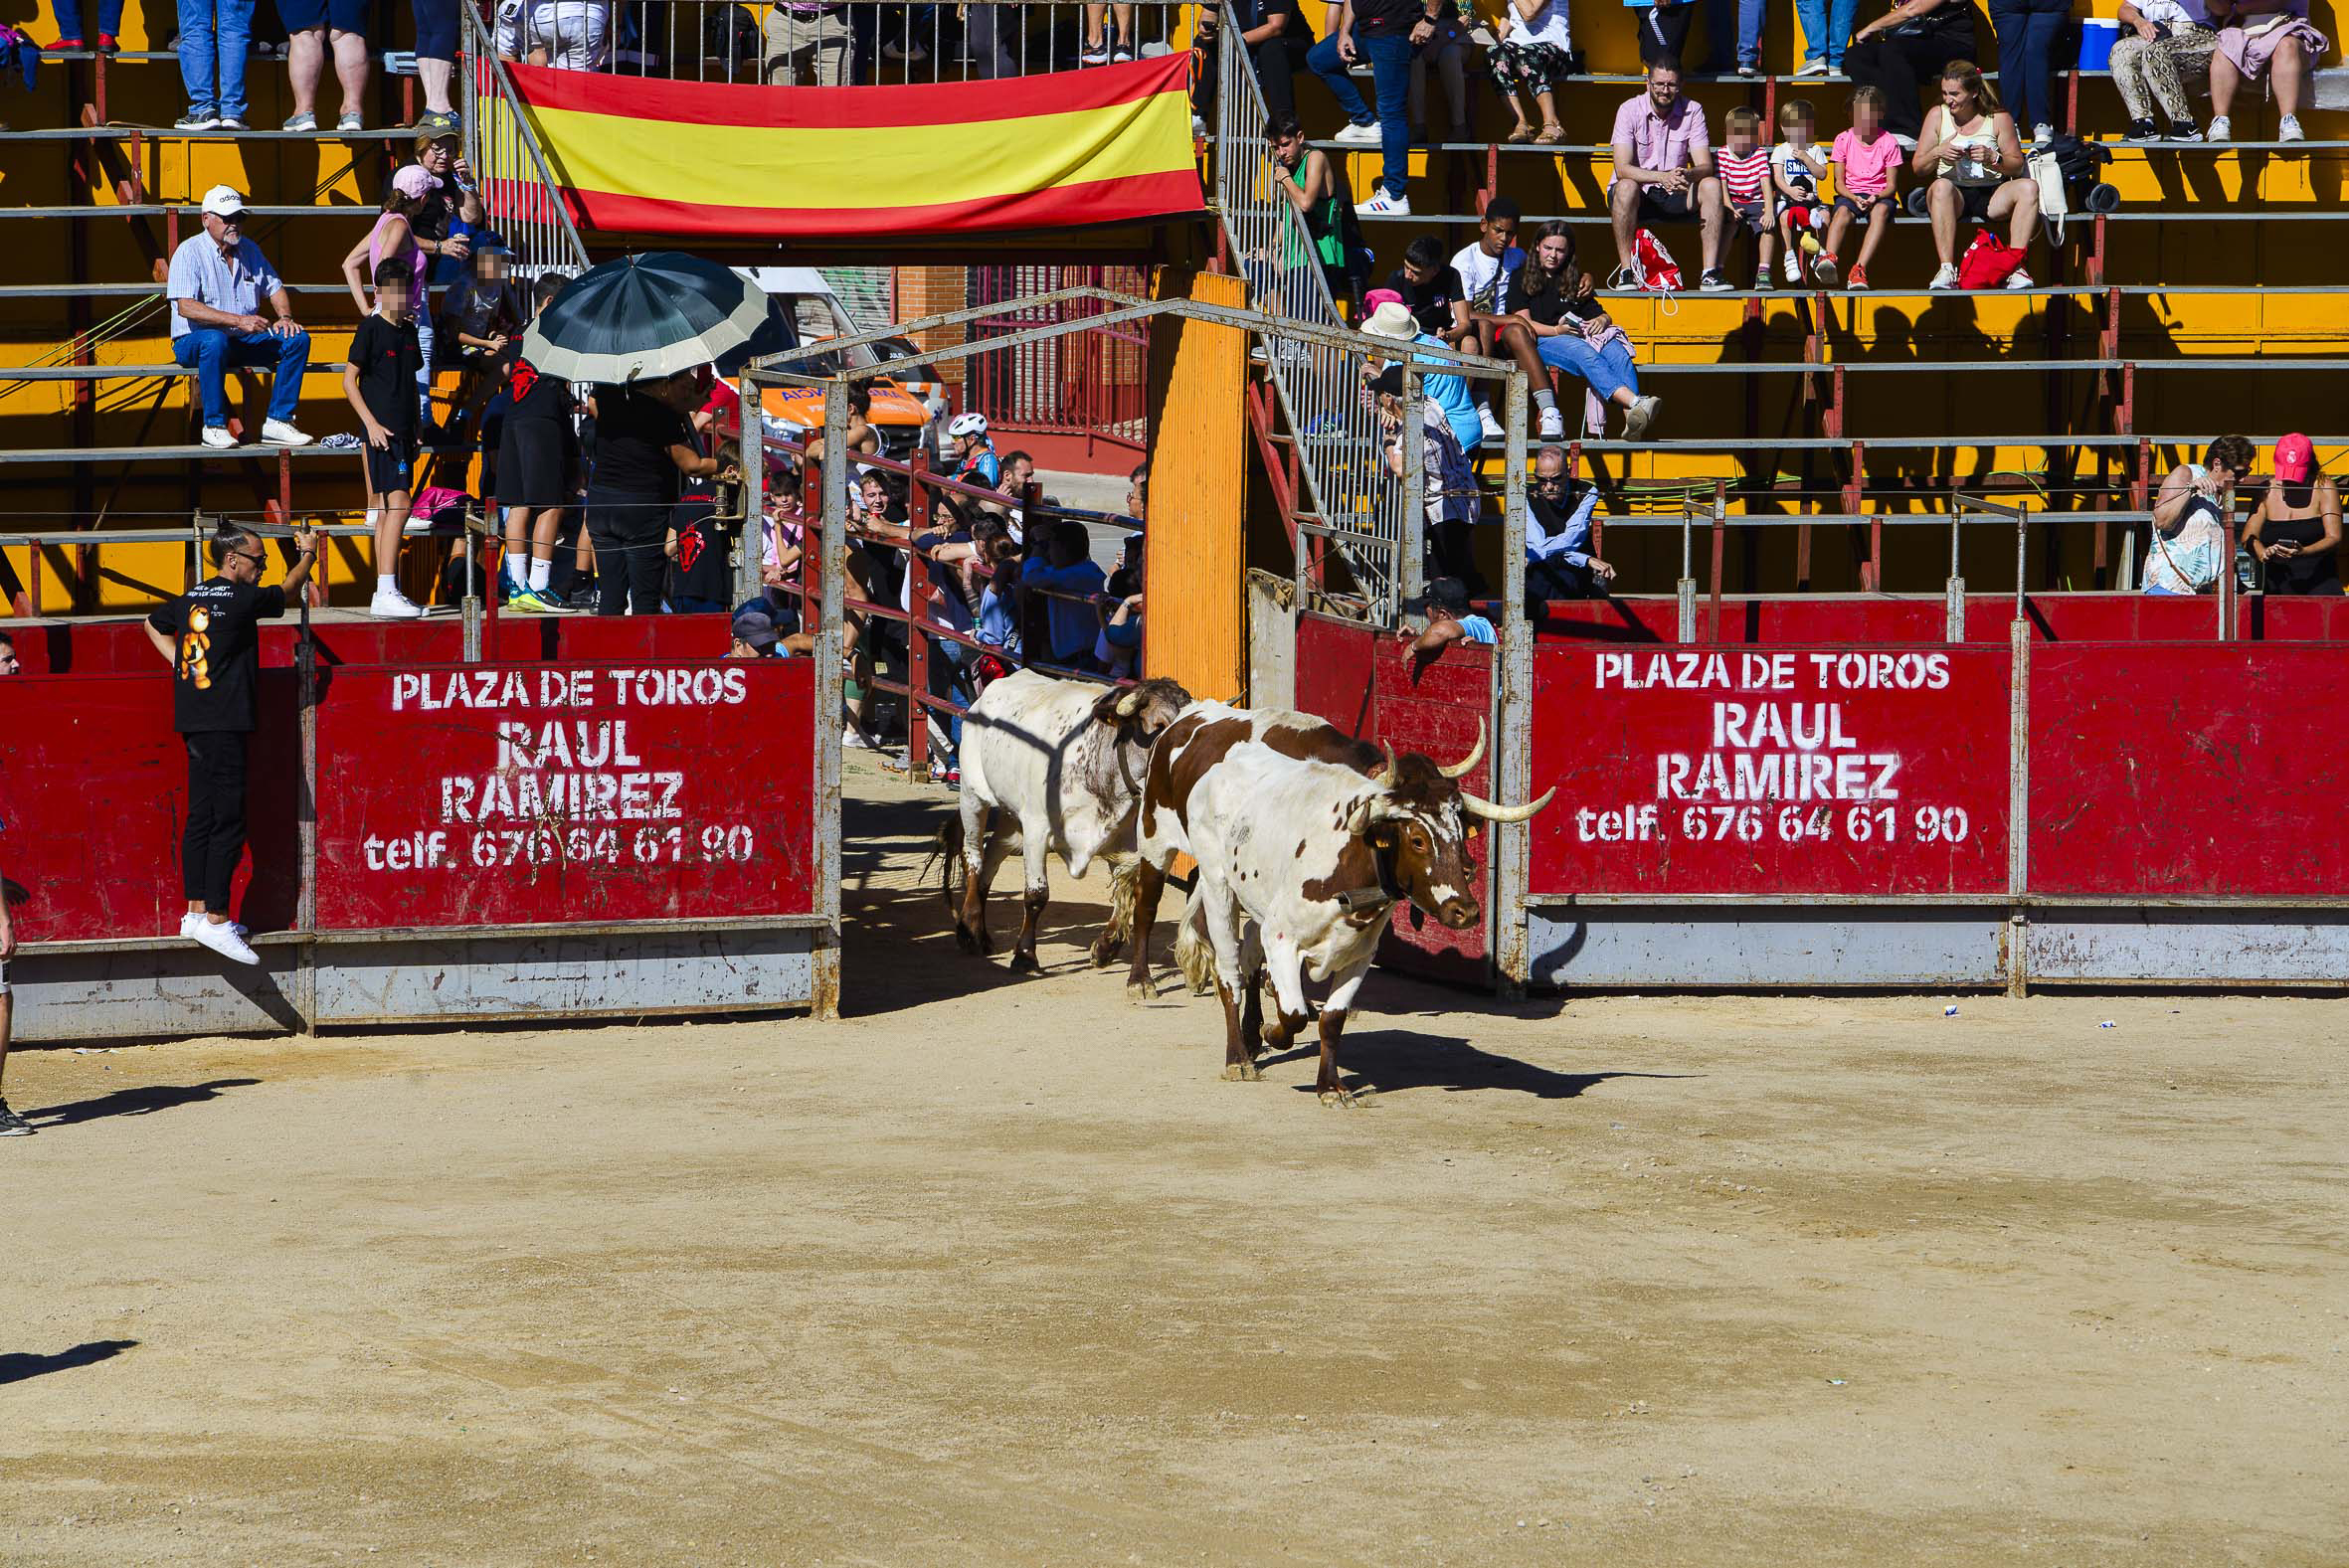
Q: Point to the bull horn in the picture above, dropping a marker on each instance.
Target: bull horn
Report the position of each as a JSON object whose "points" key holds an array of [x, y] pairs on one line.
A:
{"points": [[1478, 806], [1460, 768], [1131, 703], [1386, 768]]}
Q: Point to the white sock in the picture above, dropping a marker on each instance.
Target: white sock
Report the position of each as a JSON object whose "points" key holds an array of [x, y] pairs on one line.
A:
{"points": [[541, 574], [385, 583], [1545, 400]]}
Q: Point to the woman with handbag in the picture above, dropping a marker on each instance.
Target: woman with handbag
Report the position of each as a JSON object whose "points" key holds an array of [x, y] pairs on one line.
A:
{"points": [[1974, 160], [1902, 50]]}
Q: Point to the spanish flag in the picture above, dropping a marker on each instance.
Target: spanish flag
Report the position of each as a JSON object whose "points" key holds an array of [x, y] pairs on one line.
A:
{"points": [[640, 155]]}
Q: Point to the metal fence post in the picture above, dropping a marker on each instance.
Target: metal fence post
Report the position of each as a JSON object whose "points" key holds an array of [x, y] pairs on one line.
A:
{"points": [[750, 449], [824, 993], [1954, 629], [1685, 629], [1512, 718], [917, 603], [1411, 529]]}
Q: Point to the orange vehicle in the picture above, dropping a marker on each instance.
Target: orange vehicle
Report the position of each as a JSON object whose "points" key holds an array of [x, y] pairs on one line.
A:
{"points": [[905, 415]]}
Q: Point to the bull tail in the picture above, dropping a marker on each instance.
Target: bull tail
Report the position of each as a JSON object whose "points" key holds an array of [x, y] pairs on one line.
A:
{"points": [[950, 847], [1195, 954], [1123, 870]]}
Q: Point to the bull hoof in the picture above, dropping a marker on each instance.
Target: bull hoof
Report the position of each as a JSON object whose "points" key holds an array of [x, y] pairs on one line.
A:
{"points": [[1141, 991], [1202, 988], [964, 941], [1105, 952], [1025, 963], [1242, 1073], [1343, 1099]]}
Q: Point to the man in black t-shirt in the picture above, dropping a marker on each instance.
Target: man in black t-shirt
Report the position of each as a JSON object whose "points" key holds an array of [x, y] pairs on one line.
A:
{"points": [[1433, 292], [211, 638]]}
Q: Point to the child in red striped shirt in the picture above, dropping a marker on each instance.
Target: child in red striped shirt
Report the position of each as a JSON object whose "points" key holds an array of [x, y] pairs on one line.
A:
{"points": [[1744, 169], [1867, 184]]}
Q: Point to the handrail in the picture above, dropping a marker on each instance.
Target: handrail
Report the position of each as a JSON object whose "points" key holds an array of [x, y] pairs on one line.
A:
{"points": [[544, 244]]}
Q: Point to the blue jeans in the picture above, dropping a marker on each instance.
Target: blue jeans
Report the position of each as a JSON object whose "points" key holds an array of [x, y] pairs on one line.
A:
{"points": [[212, 352], [1389, 55], [1827, 27], [69, 19], [212, 56], [424, 368], [1608, 370], [2027, 34], [1746, 17]]}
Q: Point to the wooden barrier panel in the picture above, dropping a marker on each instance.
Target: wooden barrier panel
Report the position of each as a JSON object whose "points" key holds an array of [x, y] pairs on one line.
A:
{"points": [[1778, 772], [1196, 564], [2214, 771], [479, 796]]}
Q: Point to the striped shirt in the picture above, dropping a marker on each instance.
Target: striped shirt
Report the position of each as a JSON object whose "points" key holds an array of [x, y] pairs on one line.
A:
{"points": [[1743, 175]]}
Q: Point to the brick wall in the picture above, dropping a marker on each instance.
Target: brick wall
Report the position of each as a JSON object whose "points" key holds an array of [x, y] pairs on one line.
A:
{"points": [[933, 290]]}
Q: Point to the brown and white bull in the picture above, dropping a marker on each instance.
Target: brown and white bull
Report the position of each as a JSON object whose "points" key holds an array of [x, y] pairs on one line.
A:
{"points": [[1064, 760], [1300, 862]]}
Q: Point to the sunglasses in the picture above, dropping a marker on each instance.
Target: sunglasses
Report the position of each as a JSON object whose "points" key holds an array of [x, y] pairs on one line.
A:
{"points": [[247, 555], [1553, 482]]}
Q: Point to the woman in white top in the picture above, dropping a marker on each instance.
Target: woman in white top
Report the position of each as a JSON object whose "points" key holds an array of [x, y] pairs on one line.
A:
{"points": [[1974, 160]]}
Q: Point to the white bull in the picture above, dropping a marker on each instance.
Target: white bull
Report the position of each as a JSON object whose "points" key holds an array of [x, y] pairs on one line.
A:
{"points": [[1064, 759]]}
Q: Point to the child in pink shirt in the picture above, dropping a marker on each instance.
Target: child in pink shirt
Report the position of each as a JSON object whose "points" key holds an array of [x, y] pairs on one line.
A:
{"points": [[1866, 179]]}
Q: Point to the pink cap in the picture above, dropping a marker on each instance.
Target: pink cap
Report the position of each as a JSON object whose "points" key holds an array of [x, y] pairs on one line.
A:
{"points": [[414, 182], [1379, 297], [2295, 459]]}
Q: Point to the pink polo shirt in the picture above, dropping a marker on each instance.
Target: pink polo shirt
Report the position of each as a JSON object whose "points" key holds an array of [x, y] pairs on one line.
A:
{"points": [[1662, 142]]}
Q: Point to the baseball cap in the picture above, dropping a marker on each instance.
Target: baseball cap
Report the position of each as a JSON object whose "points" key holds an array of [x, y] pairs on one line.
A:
{"points": [[224, 201], [757, 628], [2295, 459], [414, 182], [1443, 592], [434, 125], [1391, 320]]}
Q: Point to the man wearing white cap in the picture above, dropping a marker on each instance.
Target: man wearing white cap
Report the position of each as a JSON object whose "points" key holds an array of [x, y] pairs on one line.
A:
{"points": [[218, 286], [1393, 319]]}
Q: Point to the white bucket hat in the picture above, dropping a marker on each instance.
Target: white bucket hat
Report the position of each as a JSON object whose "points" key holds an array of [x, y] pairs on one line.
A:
{"points": [[1392, 319]]}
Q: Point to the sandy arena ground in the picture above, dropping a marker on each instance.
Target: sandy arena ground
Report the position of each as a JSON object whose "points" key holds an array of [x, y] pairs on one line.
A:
{"points": [[1001, 1271]]}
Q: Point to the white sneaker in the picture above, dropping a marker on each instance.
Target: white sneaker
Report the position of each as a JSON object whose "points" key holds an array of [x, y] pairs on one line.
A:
{"points": [[1381, 204], [217, 435], [1816, 65], [222, 938], [1358, 135], [2042, 132], [278, 432], [188, 923], [1493, 430], [1795, 266], [2289, 130], [1639, 416], [852, 739], [1946, 277], [2220, 129], [2019, 278], [389, 604], [1553, 425]]}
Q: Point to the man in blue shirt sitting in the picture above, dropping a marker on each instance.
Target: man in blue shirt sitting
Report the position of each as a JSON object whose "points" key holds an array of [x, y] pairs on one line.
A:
{"points": [[1558, 562], [218, 282]]}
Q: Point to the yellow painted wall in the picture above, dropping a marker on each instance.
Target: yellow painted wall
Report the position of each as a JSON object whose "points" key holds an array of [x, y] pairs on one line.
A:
{"points": [[1197, 490]]}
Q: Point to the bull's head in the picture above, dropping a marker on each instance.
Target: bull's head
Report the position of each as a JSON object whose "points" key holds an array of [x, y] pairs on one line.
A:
{"points": [[1419, 824], [1139, 713]]}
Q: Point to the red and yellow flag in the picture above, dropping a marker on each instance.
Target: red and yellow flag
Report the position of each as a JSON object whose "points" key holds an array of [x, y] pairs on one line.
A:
{"points": [[1111, 144]]}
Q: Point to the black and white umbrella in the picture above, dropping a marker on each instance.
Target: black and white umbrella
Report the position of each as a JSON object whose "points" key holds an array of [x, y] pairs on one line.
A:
{"points": [[643, 318]]}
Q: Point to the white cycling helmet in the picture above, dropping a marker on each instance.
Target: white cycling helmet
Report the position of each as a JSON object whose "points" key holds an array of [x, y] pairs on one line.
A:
{"points": [[968, 424]]}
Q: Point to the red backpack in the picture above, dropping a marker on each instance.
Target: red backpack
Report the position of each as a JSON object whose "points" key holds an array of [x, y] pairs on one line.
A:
{"points": [[1657, 269], [1988, 261]]}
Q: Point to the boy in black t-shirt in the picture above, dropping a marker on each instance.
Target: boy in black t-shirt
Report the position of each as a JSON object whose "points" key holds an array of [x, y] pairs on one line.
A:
{"points": [[1432, 290], [380, 380], [210, 637]]}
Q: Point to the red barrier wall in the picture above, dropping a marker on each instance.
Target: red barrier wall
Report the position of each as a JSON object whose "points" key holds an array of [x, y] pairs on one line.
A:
{"points": [[2054, 618], [665, 790], [2213, 770], [466, 795], [1366, 685], [1771, 772], [93, 797]]}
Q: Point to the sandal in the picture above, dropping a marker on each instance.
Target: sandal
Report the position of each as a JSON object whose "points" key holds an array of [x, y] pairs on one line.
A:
{"points": [[1552, 135], [1520, 136]]}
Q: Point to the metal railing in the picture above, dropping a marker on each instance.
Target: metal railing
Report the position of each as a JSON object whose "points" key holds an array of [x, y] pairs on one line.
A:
{"points": [[524, 203], [840, 43], [1091, 384]]}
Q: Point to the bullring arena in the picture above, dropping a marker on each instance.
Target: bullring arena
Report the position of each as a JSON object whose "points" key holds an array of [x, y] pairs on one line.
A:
{"points": [[868, 782], [997, 1269]]}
